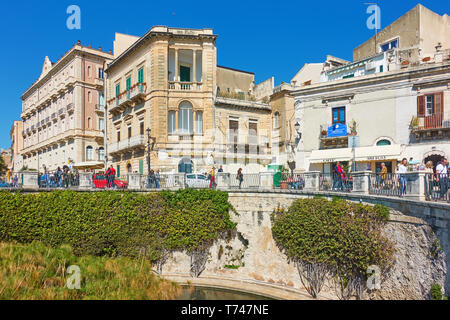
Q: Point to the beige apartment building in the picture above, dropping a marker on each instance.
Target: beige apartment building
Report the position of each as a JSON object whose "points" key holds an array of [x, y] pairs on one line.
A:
{"points": [[384, 106], [199, 114], [16, 145], [63, 112]]}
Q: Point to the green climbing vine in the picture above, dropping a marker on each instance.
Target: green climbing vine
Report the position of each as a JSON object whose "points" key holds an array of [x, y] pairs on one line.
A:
{"points": [[333, 238]]}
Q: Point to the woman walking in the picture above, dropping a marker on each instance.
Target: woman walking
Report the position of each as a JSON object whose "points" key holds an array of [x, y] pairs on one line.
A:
{"points": [[240, 177]]}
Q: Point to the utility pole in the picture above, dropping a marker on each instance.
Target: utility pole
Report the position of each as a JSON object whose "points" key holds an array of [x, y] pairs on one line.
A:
{"points": [[150, 145]]}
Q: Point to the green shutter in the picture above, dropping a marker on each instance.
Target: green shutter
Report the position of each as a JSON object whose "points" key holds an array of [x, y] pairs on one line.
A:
{"points": [[128, 83], [117, 90], [118, 171], [141, 75], [141, 166], [185, 74]]}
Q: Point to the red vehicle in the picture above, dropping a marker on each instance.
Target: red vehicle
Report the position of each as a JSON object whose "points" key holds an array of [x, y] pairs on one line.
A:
{"points": [[100, 182]]}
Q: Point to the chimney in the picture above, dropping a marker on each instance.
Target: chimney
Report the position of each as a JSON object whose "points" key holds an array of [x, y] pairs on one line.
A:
{"points": [[79, 42], [90, 46], [110, 52], [100, 49]]}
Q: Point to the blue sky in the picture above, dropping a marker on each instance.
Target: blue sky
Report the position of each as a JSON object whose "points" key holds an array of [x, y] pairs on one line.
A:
{"points": [[269, 38]]}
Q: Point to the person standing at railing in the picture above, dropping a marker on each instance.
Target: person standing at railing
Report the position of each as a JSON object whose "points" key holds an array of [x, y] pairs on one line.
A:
{"points": [[383, 175], [59, 177], [442, 178], [212, 182], [339, 174], [402, 169], [151, 179], [429, 179], [157, 178], [110, 177], [66, 176], [240, 177], [220, 169]]}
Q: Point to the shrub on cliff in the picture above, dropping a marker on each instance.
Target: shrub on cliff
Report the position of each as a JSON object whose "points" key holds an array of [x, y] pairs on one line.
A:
{"points": [[117, 223], [336, 238]]}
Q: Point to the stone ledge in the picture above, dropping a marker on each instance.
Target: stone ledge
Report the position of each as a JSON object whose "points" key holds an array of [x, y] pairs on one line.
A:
{"points": [[250, 286]]}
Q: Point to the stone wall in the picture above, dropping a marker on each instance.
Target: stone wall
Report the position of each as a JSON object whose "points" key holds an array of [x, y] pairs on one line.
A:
{"points": [[253, 249]]}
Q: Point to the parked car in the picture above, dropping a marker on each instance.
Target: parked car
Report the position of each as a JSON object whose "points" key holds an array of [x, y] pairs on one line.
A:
{"points": [[100, 182], [4, 184], [195, 180]]}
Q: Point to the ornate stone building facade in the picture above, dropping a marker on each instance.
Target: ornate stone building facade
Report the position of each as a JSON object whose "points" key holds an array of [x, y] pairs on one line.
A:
{"points": [[63, 112], [199, 114]]}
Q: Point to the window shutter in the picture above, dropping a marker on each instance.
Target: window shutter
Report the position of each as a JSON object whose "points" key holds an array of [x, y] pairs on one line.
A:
{"points": [[438, 100], [128, 84], [141, 166], [141, 76], [421, 106]]}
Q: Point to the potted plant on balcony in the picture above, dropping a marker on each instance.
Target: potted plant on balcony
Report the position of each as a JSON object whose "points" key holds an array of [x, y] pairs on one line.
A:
{"points": [[353, 128], [414, 123]]}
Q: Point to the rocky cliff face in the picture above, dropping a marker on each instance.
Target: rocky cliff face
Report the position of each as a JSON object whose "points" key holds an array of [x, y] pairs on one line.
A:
{"points": [[419, 260]]}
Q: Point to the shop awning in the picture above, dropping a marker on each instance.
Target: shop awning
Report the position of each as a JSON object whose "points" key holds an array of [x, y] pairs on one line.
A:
{"points": [[378, 153], [331, 155], [362, 154], [89, 165]]}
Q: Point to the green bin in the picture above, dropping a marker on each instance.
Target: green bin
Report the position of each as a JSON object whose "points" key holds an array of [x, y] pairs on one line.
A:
{"points": [[277, 176]]}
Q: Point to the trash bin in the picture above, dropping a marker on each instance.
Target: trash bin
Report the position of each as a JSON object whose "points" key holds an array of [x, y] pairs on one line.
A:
{"points": [[276, 168]]}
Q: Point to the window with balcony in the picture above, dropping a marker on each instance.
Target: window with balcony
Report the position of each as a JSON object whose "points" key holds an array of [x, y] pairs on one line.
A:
{"points": [[101, 124], [185, 116], [199, 122], [128, 83], [141, 75], [185, 74], [101, 154], [117, 89], [276, 120], [171, 122], [338, 115], [430, 110], [89, 153]]}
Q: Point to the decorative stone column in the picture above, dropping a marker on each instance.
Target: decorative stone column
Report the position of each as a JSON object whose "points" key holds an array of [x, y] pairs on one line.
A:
{"points": [[30, 179], [266, 179], [134, 181], [415, 185], [312, 181], [223, 180], [86, 180], [361, 182]]}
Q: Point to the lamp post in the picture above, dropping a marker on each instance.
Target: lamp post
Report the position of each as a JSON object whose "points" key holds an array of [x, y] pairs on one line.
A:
{"points": [[150, 144]]}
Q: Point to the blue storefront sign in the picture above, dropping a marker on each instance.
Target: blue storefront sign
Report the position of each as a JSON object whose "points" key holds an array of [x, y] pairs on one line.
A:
{"points": [[337, 130]]}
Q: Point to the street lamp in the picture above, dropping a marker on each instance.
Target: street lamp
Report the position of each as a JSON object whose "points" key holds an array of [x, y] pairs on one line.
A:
{"points": [[150, 144]]}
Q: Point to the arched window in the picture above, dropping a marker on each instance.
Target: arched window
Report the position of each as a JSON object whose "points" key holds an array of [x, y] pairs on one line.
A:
{"points": [[276, 120], [101, 154], [89, 153], [383, 142], [185, 118]]}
